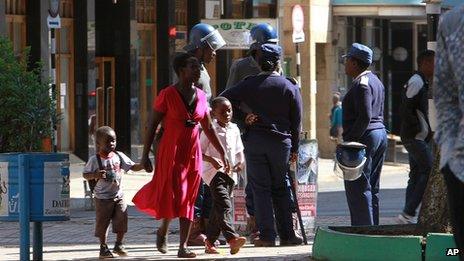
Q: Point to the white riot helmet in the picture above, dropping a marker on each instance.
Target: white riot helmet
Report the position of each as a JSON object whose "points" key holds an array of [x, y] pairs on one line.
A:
{"points": [[350, 158]]}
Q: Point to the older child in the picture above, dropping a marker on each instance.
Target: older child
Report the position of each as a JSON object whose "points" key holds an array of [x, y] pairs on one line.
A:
{"points": [[219, 181], [107, 167]]}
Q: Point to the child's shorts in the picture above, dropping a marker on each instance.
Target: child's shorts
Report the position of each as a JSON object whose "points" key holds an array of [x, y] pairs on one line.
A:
{"points": [[114, 210]]}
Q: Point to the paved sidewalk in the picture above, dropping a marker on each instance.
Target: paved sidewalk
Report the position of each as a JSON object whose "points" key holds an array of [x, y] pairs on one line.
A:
{"points": [[74, 240]]}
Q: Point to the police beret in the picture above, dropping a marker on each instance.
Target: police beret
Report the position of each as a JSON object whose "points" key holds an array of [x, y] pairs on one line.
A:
{"points": [[360, 52], [271, 51]]}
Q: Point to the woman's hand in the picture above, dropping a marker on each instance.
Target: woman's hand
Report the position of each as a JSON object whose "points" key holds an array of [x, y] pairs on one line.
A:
{"points": [[217, 163], [251, 118], [146, 163], [238, 167]]}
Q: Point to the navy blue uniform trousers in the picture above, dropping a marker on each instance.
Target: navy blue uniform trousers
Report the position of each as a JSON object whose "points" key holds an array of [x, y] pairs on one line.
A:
{"points": [[363, 194], [267, 164]]}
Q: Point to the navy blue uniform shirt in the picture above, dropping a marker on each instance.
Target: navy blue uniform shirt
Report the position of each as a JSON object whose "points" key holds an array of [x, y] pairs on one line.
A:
{"points": [[276, 101], [363, 106]]}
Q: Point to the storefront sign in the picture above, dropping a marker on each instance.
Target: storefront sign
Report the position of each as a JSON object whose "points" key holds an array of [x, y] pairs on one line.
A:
{"points": [[298, 35], [240, 214], [236, 32], [56, 190], [4, 189]]}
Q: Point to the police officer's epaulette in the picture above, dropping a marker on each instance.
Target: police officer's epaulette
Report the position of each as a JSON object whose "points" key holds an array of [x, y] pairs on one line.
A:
{"points": [[292, 80], [364, 80]]}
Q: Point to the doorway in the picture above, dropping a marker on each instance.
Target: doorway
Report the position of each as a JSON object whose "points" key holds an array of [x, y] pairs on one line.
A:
{"points": [[105, 92]]}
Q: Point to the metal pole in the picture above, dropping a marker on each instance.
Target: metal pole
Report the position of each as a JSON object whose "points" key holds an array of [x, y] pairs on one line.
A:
{"points": [[298, 63], [24, 209], [53, 79], [37, 242], [433, 10]]}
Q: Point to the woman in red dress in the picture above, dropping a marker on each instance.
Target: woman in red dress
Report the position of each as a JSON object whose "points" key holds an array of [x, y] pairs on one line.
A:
{"points": [[173, 189]]}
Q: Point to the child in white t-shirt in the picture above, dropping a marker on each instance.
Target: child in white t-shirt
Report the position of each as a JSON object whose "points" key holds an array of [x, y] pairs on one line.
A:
{"points": [[220, 183]]}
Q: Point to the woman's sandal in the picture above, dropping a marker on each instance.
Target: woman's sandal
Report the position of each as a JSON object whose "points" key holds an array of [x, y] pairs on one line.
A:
{"points": [[161, 243], [186, 253]]}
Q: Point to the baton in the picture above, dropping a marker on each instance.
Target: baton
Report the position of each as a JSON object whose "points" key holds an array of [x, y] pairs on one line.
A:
{"points": [[295, 199]]}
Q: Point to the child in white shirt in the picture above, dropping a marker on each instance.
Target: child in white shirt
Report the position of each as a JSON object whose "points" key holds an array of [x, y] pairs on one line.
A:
{"points": [[220, 183]]}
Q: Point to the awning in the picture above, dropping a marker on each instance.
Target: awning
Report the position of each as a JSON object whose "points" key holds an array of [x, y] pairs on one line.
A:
{"points": [[402, 9], [445, 3]]}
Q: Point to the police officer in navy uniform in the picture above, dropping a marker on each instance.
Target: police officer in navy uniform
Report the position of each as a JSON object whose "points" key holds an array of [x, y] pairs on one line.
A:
{"points": [[270, 142], [243, 67], [204, 41], [363, 108]]}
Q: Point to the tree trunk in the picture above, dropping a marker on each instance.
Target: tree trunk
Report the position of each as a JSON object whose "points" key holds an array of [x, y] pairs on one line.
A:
{"points": [[434, 214]]}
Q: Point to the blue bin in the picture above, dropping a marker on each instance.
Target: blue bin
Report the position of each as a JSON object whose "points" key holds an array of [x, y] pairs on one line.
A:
{"points": [[48, 186]]}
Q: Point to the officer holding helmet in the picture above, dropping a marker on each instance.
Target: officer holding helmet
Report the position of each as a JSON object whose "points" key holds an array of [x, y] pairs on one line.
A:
{"points": [[271, 141], [363, 108], [204, 41]]}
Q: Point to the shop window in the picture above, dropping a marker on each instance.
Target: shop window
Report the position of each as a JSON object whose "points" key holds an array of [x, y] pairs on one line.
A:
{"points": [[16, 24], [146, 49], [66, 9], [15, 7], [146, 11], [181, 12], [265, 8]]}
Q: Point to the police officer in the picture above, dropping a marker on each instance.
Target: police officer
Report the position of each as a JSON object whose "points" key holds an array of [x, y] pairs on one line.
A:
{"points": [[243, 67], [363, 122], [271, 141], [204, 41], [260, 34]]}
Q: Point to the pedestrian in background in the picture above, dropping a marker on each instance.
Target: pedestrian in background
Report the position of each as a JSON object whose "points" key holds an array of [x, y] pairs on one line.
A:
{"points": [[449, 101], [336, 127], [270, 142], [416, 134], [107, 168], [173, 189], [204, 41], [221, 183], [363, 107]]}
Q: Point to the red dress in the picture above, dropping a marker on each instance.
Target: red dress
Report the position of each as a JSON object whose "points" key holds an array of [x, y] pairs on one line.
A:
{"points": [[178, 164]]}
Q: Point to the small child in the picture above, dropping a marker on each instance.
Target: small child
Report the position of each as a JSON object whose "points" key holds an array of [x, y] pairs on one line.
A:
{"points": [[107, 168], [221, 184]]}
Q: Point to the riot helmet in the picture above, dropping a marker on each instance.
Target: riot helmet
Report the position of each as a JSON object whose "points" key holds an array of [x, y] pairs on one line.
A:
{"points": [[262, 33], [202, 35], [350, 158]]}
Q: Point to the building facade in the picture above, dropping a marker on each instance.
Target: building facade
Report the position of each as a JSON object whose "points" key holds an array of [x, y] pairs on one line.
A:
{"points": [[113, 56]]}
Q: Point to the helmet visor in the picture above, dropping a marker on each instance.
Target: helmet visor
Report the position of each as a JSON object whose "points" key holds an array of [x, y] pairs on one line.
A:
{"points": [[214, 40]]}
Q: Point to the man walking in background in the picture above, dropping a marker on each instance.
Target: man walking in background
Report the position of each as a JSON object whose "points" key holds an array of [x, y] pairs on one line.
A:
{"points": [[416, 134]]}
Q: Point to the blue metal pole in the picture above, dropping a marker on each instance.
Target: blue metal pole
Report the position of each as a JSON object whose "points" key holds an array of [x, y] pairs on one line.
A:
{"points": [[24, 209], [37, 243]]}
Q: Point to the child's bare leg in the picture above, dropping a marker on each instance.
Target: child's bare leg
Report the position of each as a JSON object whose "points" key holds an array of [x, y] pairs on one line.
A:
{"points": [[103, 239], [119, 237], [163, 229]]}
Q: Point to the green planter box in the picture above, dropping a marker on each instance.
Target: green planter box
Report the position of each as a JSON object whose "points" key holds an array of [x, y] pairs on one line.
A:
{"points": [[333, 245], [437, 246]]}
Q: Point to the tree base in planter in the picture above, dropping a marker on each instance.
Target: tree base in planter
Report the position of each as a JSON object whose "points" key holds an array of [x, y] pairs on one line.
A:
{"points": [[389, 242]]}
